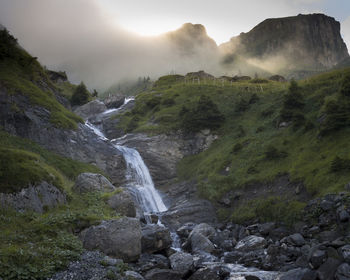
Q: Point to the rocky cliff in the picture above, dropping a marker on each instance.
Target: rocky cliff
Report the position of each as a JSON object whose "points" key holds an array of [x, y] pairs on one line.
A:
{"points": [[300, 42]]}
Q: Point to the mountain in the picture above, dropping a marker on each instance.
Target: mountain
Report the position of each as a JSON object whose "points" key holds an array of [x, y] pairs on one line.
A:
{"points": [[304, 42]]}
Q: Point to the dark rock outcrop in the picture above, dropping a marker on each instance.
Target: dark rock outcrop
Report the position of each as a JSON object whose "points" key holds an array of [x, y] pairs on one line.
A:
{"points": [[155, 238], [123, 203], [91, 182], [92, 108]]}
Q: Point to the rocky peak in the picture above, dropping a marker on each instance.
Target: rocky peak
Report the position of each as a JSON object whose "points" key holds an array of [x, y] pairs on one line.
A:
{"points": [[303, 41]]}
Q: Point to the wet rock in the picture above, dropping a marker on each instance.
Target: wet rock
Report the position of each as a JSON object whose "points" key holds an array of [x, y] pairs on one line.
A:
{"points": [[182, 262], [200, 243], [114, 101], [163, 274], [117, 238], [91, 182], [317, 258], [199, 261], [35, 198], [296, 239], [206, 274], [90, 109], [343, 272], [204, 229], [123, 203], [343, 216], [251, 242], [185, 230], [327, 270], [155, 238], [147, 262], [299, 274], [345, 253], [132, 275]]}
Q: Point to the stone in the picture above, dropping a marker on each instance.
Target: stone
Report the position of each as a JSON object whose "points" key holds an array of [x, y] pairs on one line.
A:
{"points": [[182, 262], [204, 229], [116, 238], [132, 275], [326, 205], [108, 261], [345, 253], [251, 242], [327, 270], [296, 239], [37, 198], [90, 109], [185, 230], [317, 257], [200, 243], [343, 216], [343, 272], [299, 274], [92, 182], [163, 274], [155, 238], [114, 101], [266, 228], [147, 262], [212, 272], [123, 203]]}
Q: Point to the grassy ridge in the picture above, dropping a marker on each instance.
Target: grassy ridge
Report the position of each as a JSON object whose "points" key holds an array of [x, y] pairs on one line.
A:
{"points": [[251, 146]]}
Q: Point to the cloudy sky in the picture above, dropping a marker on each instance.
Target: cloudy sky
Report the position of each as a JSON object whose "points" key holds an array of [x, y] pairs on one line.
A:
{"points": [[102, 41]]}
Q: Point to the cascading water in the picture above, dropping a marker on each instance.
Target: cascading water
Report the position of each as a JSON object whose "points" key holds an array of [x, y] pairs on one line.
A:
{"points": [[139, 179]]}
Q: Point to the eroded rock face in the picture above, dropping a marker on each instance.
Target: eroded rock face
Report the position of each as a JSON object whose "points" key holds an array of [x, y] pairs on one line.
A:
{"points": [[91, 182], [251, 242], [35, 198], [91, 108], [123, 203], [114, 101], [117, 238]]}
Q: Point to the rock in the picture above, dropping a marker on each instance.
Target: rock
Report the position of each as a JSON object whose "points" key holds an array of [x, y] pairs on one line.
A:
{"points": [[214, 272], [199, 261], [185, 230], [299, 274], [155, 238], [327, 270], [200, 243], [147, 262], [326, 205], [201, 211], [162, 274], [266, 228], [90, 109], [278, 78], [343, 272], [343, 216], [34, 197], [296, 239], [123, 203], [117, 238], [345, 253], [108, 261], [132, 275], [182, 262], [114, 101], [317, 257], [204, 229], [91, 182], [251, 242]]}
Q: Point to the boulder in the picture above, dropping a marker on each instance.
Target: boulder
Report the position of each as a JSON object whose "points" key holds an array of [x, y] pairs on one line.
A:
{"points": [[296, 239], [204, 229], [185, 230], [345, 253], [299, 274], [162, 274], [34, 198], [91, 182], [327, 270], [343, 272], [200, 243], [123, 203], [90, 109], [182, 262], [147, 262], [251, 242], [215, 272], [317, 258], [132, 275], [114, 101], [117, 238], [343, 216], [155, 238]]}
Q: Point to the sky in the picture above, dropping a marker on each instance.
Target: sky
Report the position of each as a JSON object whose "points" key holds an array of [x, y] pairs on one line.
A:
{"points": [[105, 41]]}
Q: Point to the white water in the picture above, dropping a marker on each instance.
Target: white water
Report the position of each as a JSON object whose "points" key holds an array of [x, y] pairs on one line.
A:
{"points": [[137, 175]]}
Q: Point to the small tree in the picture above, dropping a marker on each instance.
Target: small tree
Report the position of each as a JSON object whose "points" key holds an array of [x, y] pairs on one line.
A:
{"points": [[95, 93], [80, 95]]}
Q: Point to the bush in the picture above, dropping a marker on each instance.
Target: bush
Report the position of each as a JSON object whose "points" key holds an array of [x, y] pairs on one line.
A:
{"points": [[204, 114], [345, 87], [168, 102], [340, 164], [293, 103], [272, 153], [242, 105], [80, 95], [153, 102]]}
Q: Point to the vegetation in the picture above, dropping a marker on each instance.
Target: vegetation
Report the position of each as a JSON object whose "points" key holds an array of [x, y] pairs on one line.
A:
{"points": [[21, 74], [80, 95], [251, 147]]}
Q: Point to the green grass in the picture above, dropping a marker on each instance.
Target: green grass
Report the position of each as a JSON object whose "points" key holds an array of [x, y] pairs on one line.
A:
{"points": [[34, 246], [248, 133], [23, 162]]}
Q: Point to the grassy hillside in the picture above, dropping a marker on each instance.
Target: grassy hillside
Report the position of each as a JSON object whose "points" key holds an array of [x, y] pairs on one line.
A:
{"points": [[269, 129], [20, 73]]}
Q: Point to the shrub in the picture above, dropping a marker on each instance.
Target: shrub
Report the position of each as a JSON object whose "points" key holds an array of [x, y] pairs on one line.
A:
{"points": [[272, 153], [168, 102], [153, 102], [340, 164], [242, 105], [345, 87], [80, 95], [204, 114]]}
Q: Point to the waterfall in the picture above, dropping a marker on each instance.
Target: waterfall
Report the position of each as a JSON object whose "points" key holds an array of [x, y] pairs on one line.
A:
{"points": [[138, 177]]}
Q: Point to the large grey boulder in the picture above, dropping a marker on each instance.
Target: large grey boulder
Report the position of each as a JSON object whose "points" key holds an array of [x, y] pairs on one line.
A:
{"points": [[343, 272], [201, 244], [116, 238], [132, 275], [155, 238], [91, 182], [204, 229], [34, 197], [182, 262], [251, 242], [90, 109], [345, 253], [114, 101], [123, 203]]}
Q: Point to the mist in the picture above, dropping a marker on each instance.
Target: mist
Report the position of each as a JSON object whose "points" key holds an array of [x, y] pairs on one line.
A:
{"points": [[80, 38]]}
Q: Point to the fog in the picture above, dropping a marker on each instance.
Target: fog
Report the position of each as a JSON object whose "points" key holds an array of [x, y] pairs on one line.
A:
{"points": [[81, 39]]}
